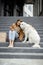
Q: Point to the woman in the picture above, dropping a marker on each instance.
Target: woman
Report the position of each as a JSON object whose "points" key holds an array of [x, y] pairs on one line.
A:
{"points": [[15, 32], [20, 32]]}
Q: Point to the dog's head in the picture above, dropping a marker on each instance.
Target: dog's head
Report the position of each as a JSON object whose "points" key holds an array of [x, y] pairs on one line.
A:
{"points": [[23, 25]]}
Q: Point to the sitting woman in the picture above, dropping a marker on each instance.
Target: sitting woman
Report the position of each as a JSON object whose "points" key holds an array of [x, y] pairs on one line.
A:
{"points": [[15, 32]]}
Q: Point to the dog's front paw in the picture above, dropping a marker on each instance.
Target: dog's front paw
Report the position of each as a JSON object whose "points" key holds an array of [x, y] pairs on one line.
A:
{"points": [[36, 46], [23, 42], [27, 42]]}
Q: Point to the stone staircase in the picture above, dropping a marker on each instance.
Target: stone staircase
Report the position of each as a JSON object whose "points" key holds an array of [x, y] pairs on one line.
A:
{"points": [[21, 50]]}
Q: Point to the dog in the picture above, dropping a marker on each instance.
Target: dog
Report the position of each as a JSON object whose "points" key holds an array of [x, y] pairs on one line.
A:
{"points": [[30, 33]]}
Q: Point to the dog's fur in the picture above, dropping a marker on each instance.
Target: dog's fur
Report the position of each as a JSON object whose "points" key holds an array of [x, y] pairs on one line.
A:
{"points": [[30, 33]]}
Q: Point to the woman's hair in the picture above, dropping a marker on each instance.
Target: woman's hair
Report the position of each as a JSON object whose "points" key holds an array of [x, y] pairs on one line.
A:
{"points": [[18, 20], [12, 27]]}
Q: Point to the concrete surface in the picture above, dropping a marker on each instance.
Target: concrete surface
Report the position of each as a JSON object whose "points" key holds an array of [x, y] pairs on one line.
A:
{"points": [[21, 62]]}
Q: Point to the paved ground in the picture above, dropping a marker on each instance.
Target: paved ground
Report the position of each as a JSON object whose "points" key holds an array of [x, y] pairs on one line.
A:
{"points": [[21, 62]]}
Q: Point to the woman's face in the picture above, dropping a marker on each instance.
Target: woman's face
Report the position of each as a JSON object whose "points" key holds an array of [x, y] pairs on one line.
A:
{"points": [[18, 23]]}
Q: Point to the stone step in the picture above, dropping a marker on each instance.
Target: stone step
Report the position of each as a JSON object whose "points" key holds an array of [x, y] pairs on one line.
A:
{"points": [[7, 29], [41, 40], [41, 36], [9, 23], [37, 27], [26, 19], [22, 55], [31, 23], [3, 26], [6, 26], [19, 44], [6, 20], [21, 50], [17, 40], [21, 61]]}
